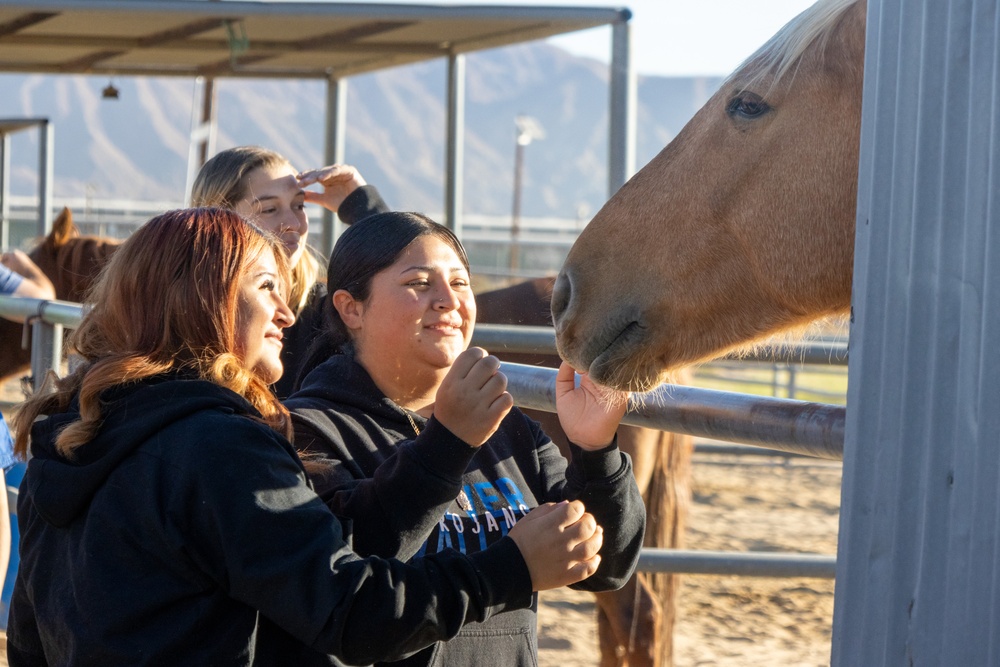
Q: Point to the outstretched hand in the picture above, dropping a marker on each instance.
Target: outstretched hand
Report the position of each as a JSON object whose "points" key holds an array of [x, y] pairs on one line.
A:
{"points": [[559, 543], [338, 181], [472, 399], [589, 414]]}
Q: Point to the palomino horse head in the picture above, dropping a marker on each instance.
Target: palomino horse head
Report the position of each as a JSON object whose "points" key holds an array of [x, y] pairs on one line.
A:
{"points": [[71, 261], [741, 227]]}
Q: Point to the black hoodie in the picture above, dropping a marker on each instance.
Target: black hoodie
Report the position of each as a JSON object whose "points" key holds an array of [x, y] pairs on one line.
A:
{"points": [[186, 533], [412, 494]]}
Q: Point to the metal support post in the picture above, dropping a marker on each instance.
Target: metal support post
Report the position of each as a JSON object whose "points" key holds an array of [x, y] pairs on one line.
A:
{"points": [[46, 144], [333, 150], [621, 143], [4, 191], [455, 149]]}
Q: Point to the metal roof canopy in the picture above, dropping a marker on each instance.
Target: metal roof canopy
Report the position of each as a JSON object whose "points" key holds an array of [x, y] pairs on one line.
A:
{"points": [[262, 39], [321, 40]]}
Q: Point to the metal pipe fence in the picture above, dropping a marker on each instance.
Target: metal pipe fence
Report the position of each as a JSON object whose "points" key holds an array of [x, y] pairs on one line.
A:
{"points": [[799, 427], [742, 564], [785, 425]]}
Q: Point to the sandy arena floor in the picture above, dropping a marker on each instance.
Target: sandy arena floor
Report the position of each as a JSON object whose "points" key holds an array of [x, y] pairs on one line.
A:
{"points": [[740, 504]]}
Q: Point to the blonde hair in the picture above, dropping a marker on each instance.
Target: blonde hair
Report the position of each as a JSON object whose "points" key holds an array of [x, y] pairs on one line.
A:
{"points": [[167, 301], [222, 181], [781, 55]]}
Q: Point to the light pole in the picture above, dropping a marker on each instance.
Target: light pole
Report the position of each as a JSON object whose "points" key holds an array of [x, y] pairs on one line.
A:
{"points": [[528, 129]]}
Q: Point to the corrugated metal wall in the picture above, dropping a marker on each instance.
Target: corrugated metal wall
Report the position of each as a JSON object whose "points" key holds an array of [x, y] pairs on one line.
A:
{"points": [[917, 576]]}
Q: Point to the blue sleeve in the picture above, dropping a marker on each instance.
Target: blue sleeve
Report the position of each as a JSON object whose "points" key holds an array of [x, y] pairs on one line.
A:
{"points": [[6, 446], [9, 281]]}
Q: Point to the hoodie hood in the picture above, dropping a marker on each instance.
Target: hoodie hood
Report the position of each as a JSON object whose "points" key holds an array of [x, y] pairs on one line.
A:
{"points": [[61, 488], [342, 381]]}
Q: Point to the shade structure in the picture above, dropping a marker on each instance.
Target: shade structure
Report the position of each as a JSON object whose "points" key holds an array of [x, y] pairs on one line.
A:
{"points": [[263, 39]]}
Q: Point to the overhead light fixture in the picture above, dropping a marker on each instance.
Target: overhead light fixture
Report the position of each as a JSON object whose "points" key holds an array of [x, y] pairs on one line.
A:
{"points": [[110, 92]]}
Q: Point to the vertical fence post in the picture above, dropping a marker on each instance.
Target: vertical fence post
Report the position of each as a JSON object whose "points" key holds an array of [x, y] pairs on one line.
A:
{"points": [[4, 190], [46, 350]]}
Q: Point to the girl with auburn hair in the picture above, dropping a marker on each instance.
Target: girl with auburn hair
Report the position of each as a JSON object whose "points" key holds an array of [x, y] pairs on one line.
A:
{"points": [[165, 519], [411, 434], [139, 327], [263, 187]]}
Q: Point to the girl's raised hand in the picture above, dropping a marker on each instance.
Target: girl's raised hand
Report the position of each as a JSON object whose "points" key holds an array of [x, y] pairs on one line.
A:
{"points": [[338, 181], [472, 399], [589, 414]]}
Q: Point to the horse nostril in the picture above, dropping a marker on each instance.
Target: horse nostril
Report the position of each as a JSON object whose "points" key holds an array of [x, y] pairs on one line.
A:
{"points": [[561, 293]]}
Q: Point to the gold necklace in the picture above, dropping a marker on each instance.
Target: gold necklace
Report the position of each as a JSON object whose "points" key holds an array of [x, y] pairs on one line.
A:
{"points": [[462, 499], [412, 423]]}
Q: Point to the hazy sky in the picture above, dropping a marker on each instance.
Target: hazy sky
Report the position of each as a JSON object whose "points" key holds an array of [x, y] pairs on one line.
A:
{"points": [[679, 37], [690, 37]]}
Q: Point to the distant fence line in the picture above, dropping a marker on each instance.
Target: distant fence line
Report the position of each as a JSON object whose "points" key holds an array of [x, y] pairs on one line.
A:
{"points": [[518, 339], [543, 241], [117, 216]]}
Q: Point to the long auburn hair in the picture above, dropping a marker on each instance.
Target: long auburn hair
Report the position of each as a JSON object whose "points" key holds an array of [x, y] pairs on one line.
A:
{"points": [[222, 181], [166, 301]]}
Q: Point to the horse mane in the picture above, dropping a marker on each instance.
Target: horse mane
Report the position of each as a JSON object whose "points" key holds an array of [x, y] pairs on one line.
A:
{"points": [[79, 261], [782, 54], [72, 261]]}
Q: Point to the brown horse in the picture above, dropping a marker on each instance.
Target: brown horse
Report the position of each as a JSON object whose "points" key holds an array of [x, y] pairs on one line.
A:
{"points": [[71, 262], [743, 226], [635, 624]]}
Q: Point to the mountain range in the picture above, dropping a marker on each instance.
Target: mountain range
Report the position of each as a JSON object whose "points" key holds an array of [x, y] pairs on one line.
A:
{"points": [[136, 147]]}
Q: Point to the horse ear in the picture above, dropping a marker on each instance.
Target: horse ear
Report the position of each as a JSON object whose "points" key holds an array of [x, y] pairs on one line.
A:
{"points": [[63, 228]]}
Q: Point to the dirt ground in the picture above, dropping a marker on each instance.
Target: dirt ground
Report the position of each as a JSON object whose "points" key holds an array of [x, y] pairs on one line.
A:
{"points": [[741, 503]]}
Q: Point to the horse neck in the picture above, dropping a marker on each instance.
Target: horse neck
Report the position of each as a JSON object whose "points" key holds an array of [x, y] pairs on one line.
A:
{"points": [[526, 304], [78, 264]]}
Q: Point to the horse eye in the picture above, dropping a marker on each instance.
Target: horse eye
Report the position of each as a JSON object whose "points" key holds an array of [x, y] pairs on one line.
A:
{"points": [[747, 105]]}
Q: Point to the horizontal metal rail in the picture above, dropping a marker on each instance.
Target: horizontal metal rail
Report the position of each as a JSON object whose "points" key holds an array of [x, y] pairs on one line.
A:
{"points": [[516, 339], [795, 427], [738, 563], [720, 449], [65, 313], [799, 427]]}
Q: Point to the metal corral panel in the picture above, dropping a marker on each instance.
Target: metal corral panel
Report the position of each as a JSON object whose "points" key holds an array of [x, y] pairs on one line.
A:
{"points": [[918, 557]]}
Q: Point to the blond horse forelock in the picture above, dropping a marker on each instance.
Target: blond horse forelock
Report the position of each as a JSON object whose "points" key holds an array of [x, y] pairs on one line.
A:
{"points": [[808, 32]]}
